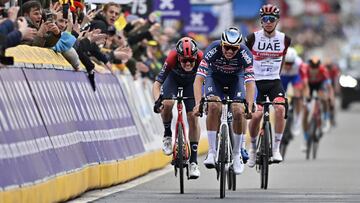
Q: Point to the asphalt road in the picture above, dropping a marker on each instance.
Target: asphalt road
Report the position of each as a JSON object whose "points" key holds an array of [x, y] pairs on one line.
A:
{"points": [[333, 177]]}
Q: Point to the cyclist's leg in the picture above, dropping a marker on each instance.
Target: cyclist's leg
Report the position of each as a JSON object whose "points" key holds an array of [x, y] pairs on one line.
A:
{"points": [[277, 94], [236, 92], [212, 91], [254, 124], [168, 89], [194, 129]]}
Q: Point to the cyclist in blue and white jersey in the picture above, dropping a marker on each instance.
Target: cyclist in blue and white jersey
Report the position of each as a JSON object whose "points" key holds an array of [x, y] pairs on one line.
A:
{"points": [[226, 63], [291, 74]]}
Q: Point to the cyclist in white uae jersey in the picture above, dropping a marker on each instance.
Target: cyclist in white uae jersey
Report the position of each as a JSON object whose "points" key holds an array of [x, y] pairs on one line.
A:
{"points": [[268, 47]]}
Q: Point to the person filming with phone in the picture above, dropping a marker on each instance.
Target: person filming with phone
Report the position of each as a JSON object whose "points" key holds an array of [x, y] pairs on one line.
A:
{"points": [[48, 34]]}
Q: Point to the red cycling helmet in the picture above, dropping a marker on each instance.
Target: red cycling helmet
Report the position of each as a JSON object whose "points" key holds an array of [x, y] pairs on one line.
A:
{"points": [[186, 47], [270, 10]]}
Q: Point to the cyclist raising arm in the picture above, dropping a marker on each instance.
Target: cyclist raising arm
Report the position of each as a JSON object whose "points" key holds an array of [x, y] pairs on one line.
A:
{"points": [[179, 69], [268, 47], [226, 63]]}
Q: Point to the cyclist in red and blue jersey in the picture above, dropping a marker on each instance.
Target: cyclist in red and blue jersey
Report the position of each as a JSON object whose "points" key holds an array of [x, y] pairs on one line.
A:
{"points": [[226, 63], [179, 70], [318, 78]]}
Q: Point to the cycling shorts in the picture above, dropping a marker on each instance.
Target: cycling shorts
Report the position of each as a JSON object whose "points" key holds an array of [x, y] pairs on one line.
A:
{"points": [[215, 87], [271, 88], [294, 79], [170, 88], [319, 86]]}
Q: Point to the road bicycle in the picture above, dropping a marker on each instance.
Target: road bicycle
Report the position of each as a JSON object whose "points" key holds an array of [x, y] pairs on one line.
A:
{"points": [[181, 149], [264, 143], [314, 127], [224, 153]]}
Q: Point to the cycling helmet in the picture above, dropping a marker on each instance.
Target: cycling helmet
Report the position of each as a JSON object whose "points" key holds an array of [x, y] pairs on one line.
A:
{"points": [[269, 9], [291, 55], [231, 36], [186, 47], [314, 62]]}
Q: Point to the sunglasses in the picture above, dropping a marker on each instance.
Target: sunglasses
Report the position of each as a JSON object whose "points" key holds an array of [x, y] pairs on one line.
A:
{"points": [[270, 19], [289, 63], [233, 48], [185, 60]]}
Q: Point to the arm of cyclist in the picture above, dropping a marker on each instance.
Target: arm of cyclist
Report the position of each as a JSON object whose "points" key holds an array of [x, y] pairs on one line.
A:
{"points": [[250, 94], [249, 79], [199, 80]]}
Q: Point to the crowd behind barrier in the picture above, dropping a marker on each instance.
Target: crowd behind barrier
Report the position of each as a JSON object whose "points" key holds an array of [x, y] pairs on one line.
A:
{"points": [[58, 138]]}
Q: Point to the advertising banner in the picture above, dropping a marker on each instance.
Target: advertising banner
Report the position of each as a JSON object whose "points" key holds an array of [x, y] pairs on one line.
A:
{"points": [[26, 149], [90, 126], [171, 9]]}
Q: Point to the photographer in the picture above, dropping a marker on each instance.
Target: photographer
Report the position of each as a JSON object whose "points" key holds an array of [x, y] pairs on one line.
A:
{"points": [[48, 33]]}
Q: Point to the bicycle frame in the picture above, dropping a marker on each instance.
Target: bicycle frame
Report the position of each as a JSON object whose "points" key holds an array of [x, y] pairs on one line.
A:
{"points": [[224, 122], [180, 121]]}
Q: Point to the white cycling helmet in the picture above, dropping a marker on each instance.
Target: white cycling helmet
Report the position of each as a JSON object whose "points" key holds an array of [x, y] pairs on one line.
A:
{"points": [[231, 36], [291, 55]]}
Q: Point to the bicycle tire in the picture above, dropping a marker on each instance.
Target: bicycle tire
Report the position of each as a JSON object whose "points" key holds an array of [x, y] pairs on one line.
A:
{"points": [[266, 157], [311, 138], [180, 156], [222, 159], [231, 173]]}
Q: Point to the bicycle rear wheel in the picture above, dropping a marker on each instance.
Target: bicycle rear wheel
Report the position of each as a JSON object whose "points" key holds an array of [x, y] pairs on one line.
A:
{"points": [[222, 159], [180, 156]]}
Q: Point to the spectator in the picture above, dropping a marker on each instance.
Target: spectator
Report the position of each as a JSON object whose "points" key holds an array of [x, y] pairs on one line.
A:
{"points": [[48, 33], [67, 40]]}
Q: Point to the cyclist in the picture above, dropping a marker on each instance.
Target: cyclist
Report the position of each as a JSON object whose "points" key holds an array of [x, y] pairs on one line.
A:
{"points": [[179, 69], [291, 74], [334, 73], [269, 48], [317, 76], [226, 63]]}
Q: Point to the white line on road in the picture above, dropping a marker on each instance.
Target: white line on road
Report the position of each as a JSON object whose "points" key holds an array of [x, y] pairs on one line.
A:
{"points": [[100, 193]]}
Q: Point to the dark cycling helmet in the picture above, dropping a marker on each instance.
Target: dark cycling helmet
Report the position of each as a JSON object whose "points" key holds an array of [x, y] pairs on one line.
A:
{"points": [[186, 47], [314, 62], [269, 10], [231, 36]]}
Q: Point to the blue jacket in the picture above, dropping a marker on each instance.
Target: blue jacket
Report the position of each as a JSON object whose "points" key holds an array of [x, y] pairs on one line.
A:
{"points": [[65, 42]]}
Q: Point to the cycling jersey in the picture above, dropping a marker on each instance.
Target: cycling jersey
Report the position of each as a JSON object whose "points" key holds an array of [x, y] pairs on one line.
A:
{"points": [[172, 64], [314, 75], [220, 72], [172, 76], [215, 64], [292, 70], [268, 53]]}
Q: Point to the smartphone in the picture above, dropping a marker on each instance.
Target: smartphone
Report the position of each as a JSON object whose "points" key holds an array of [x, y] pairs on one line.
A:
{"points": [[49, 17]]}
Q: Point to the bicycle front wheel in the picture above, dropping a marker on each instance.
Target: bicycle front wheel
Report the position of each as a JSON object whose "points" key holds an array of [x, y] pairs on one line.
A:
{"points": [[222, 159], [180, 156], [265, 156]]}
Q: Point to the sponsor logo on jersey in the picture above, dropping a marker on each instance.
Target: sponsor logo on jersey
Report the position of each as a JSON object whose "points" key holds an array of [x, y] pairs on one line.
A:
{"points": [[263, 46], [246, 57], [210, 53]]}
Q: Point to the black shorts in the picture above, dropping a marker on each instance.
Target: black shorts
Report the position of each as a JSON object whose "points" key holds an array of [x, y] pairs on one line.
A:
{"points": [[271, 88], [316, 87], [172, 82]]}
